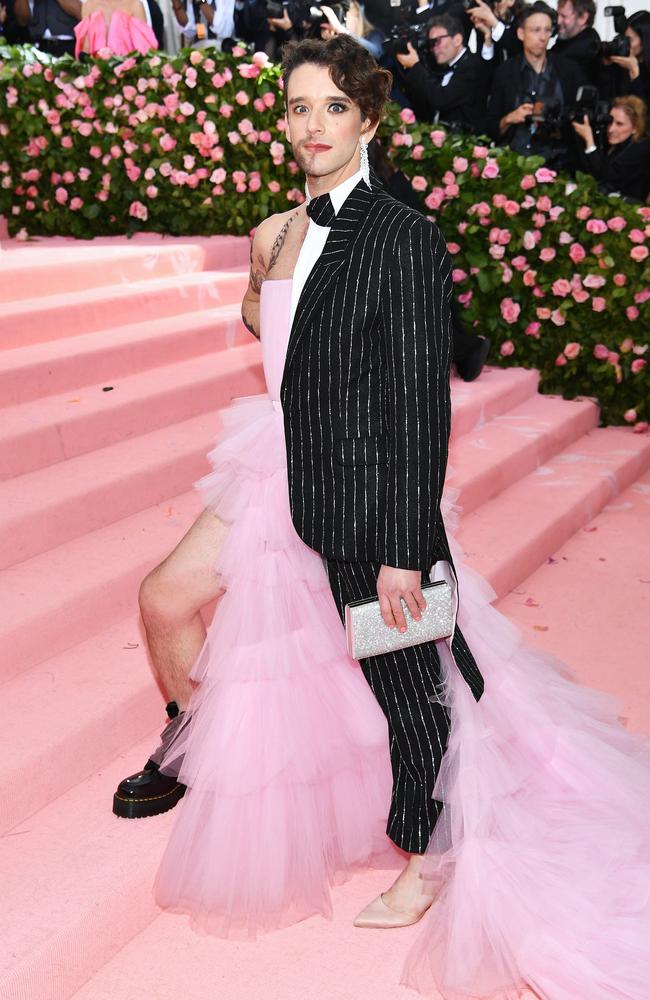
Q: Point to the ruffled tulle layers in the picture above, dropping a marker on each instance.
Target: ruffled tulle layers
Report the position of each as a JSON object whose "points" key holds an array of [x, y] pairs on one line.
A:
{"points": [[285, 755], [543, 859]]}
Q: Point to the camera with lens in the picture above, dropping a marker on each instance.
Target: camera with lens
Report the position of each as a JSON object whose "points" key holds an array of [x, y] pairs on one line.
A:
{"points": [[410, 25], [620, 43], [472, 4], [588, 103], [274, 9]]}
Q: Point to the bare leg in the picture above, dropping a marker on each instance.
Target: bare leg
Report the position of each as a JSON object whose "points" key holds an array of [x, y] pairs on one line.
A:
{"points": [[171, 598], [409, 893]]}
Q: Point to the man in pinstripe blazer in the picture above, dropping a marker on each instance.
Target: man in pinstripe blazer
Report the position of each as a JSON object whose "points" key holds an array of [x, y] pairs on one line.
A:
{"points": [[366, 404]]}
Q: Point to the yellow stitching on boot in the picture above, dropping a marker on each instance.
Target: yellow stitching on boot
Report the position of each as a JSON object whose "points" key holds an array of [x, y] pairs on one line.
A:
{"points": [[152, 798]]}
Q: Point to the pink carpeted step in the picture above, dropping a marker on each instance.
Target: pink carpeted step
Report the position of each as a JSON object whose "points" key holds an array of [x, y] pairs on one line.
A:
{"points": [[38, 370], [496, 391], [540, 512], [61, 597], [41, 432], [73, 714], [492, 457], [49, 506], [37, 273], [72, 313], [76, 886]]}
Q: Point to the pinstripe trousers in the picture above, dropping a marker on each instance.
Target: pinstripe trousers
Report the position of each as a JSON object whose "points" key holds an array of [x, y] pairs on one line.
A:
{"points": [[404, 683]]}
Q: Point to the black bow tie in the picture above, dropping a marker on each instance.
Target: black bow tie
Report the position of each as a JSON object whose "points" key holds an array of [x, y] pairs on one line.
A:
{"points": [[321, 210]]}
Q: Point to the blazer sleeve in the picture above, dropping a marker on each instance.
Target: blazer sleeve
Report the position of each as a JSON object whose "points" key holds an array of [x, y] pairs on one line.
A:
{"points": [[416, 326]]}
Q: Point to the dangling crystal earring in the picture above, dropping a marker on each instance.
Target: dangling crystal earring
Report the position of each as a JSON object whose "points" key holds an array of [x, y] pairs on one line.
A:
{"points": [[364, 164]]}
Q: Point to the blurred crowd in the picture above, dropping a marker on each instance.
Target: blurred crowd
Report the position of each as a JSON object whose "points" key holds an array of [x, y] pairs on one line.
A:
{"points": [[533, 78]]}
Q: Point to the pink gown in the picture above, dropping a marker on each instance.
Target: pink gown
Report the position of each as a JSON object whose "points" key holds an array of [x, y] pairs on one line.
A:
{"points": [[541, 857], [124, 34]]}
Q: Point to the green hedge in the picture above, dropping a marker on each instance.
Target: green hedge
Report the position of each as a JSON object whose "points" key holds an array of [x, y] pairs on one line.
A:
{"points": [[557, 274]]}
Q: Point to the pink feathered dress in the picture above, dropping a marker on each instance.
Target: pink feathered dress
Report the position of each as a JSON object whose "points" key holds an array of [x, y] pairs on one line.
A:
{"points": [[124, 34], [542, 854]]}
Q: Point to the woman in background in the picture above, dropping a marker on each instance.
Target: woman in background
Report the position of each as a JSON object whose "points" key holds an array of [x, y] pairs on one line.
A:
{"points": [[623, 166]]}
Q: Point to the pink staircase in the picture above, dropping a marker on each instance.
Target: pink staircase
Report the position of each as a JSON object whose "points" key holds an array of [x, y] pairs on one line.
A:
{"points": [[116, 359]]}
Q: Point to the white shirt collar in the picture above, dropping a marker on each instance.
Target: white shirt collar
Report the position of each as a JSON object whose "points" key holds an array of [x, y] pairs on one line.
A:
{"points": [[341, 191], [459, 56]]}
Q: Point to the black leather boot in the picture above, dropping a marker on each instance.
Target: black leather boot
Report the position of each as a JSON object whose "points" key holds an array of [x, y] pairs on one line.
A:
{"points": [[150, 792]]}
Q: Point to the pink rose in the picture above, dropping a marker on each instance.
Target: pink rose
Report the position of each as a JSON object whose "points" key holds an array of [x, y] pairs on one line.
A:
{"points": [[453, 248], [527, 182], [639, 253], [438, 137], [543, 312], [407, 116], [596, 226], [560, 360], [532, 330], [225, 110], [490, 170], [636, 235], [572, 350], [460, 164], [544, 203], [242, 97], [519, 263], [583, 212], [620, 279], [480, 152], [617, 223], [580, 295], [419, 183], [598, 304], [497, 252], [547, 254], [530, 277], [632, 313], [641, 427], [458, 274], [510, 310], [561, 287], [511, 207], [234, 138], [558, 317], [627, 345], [638, 365], [642, 296], [629, 416], [273, 186], [499, 200], [594, 281], [76, 204], [466, 298], [61, 195], [507, 348], [601, 353], [138, 211], [529, 240], [167, 143], [417, 152], [544, 175], [434, 199], [613, 357]]}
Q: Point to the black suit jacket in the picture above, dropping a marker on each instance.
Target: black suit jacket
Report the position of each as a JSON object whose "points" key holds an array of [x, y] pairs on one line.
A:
{"points": [[584, 52], [365, 392], [624, 167], [461, 102], [508, 88]]}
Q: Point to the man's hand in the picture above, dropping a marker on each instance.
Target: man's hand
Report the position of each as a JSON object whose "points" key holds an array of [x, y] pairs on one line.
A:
{"points": [[407, 59], [482, 15], [393, 585], [283, 22], [519, 115]]}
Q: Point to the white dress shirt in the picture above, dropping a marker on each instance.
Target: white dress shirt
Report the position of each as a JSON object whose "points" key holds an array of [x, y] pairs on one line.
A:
{"points": [[315, 240], [448, 75]]}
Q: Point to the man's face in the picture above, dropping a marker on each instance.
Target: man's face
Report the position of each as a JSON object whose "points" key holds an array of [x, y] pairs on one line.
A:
{"points": [[445, 47], [535, 34], [324, 124], [569, 24]]}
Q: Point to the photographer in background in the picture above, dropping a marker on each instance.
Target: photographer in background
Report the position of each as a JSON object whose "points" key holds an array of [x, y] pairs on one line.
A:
{"points": [[496, 29], [356, 25], [51, 23], [578, 40], [531, 91], [455, 94], [625, 66], [623, 166], [205, 23]]}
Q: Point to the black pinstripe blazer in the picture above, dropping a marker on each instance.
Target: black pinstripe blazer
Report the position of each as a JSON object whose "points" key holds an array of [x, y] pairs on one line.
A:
{"points": [[365, 392]]}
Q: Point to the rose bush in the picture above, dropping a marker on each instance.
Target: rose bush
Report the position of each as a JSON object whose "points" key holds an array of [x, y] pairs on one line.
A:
{"points": [[555, 273]]}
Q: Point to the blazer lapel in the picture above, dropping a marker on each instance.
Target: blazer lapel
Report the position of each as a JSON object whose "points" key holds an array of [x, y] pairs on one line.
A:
{"points": [[342, 231]]}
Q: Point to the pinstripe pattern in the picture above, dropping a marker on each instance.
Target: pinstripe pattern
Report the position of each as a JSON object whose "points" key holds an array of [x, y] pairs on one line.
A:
{"points": [[365, 393], [404, 683]]}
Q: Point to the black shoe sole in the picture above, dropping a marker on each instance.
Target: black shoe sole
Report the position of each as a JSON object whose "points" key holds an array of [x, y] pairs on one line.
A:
{"points": [[142, 808]]}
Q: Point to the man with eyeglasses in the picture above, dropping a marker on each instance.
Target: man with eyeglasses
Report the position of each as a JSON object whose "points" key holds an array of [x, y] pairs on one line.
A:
{"points": [[530, 91], [454, 93]]}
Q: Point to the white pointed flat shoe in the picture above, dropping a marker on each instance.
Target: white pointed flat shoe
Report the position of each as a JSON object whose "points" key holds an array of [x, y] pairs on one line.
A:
{"points": [[380, 915]]}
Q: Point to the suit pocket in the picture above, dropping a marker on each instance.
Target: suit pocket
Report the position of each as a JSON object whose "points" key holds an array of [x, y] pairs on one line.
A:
{"points": [[361, 451]]}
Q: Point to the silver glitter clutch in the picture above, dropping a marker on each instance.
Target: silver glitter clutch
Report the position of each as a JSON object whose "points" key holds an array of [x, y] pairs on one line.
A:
{"points": [[367, 635]]}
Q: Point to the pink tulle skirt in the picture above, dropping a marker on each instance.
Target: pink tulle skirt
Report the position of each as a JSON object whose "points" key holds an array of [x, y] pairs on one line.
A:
{"points": [[541, 858]]}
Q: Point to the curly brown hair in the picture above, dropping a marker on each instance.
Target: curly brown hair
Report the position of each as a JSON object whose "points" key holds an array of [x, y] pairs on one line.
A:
{"points": [[351, 67]]}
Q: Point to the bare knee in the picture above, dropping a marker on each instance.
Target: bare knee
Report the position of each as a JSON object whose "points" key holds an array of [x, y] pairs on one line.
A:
{"points": [[161, 600]]}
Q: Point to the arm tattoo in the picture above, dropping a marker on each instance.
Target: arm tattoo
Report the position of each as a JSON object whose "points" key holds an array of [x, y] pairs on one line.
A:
{"points": [[249, 326], [278, 242], [256, 275]]}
